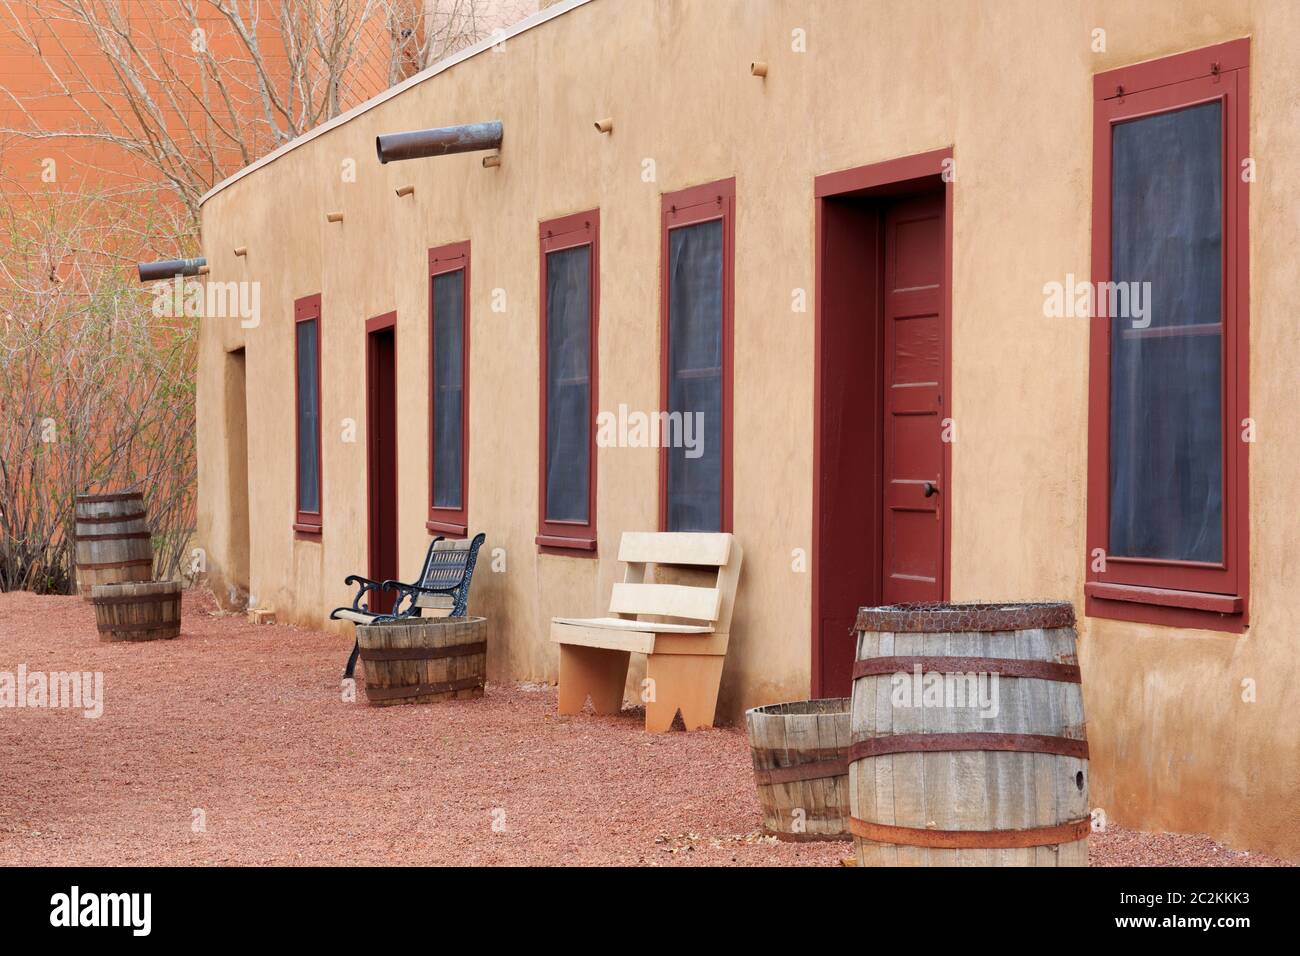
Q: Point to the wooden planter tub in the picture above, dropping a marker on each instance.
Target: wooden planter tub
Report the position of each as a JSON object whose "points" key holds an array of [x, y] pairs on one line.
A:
{"points": [[112, 540], [991, 777], [423, 660], [137, 611], [801, 765]]}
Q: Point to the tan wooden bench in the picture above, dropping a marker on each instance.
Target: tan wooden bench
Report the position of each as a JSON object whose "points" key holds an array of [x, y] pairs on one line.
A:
{"points": [[674, 605]]}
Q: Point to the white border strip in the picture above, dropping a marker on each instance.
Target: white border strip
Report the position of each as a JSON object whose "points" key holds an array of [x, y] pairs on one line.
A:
{"points": [[527, 23]]}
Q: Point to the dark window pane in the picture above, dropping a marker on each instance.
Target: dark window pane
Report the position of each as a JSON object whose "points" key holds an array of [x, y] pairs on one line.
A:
{"points": [[568, 383], [695, 377], [308, 418], [1166, 429], [448, 387]]}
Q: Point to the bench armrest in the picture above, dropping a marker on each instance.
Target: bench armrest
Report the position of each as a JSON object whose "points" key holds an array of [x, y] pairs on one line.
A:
{"points": [[363, 585], [405, 593]]}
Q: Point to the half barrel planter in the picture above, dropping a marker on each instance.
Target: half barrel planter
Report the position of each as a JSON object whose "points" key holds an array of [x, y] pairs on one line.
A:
{"points": [[801, 766], [423, 660], [113, 543], [137, 611], [1000, 783]]}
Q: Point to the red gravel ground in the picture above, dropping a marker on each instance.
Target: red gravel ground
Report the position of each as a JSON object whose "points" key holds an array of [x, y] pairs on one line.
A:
{"points": [[246, 724]]}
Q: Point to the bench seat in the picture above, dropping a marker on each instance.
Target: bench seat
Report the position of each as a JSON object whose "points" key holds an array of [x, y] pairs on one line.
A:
{"points": [[356, 617], [640, 637]]}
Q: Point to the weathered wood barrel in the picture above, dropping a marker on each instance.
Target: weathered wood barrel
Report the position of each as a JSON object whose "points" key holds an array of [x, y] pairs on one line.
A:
{"points": [[137, 611], [801, 767], [112, 540], [968, 739], [423, 660]]}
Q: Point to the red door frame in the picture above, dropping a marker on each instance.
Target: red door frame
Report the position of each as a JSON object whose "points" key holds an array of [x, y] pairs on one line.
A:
{"points": [[892, 177], [380, 323]]}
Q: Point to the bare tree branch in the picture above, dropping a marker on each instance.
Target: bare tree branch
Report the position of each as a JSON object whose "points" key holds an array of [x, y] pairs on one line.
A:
{"points": [[201, 88]]}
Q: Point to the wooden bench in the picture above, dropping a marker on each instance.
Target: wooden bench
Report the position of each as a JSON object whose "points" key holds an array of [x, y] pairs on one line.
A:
{"points": [[674, 605], [442, 589]]}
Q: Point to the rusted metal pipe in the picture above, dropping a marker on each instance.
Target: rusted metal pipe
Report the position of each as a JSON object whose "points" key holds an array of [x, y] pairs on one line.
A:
{"points": [[167, 268], [419, 143]]}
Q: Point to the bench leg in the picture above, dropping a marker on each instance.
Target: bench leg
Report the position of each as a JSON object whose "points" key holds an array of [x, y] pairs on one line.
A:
{"points": [[685, 682], [592, 671], [352, 659]]}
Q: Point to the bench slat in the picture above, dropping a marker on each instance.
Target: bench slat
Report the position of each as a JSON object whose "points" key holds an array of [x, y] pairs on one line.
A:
{"points": [[436, 602], [671, 600], [674, 547], [625, 624], [640, 642]]}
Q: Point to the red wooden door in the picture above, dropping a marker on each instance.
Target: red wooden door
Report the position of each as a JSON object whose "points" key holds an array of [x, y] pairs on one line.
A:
{"points": [[381, 418], [914, 498]]}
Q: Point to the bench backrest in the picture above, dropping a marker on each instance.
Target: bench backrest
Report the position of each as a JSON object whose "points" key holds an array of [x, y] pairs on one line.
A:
{"points": [[678, 575], [447, 567]]}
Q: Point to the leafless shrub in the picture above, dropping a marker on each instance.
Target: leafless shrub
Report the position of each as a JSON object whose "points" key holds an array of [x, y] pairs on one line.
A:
{"points": [[96, 393]]}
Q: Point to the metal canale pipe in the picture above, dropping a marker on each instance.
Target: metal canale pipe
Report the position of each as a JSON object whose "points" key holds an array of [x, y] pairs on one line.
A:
{"points": [[416, 144], [168, 268]]}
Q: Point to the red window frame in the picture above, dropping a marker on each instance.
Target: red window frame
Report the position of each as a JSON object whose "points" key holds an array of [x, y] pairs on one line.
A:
{"points": [[452, 257], [308, 523], [555, 235], [687, 207], [1155, 591]]}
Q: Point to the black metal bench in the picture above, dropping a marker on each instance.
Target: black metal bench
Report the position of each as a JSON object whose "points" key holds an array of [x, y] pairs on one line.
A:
{"points": [[443, 585]]}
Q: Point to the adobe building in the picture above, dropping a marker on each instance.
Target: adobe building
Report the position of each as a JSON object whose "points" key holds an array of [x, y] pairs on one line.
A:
{"points": [[970, 301]]}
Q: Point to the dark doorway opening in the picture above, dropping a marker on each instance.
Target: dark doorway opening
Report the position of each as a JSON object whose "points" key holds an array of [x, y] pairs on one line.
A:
{"points": [[237, 551], [381, 453]]}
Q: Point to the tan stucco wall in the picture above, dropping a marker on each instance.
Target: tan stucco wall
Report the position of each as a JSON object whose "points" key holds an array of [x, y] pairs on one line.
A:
{"points": [[1009, 86]]}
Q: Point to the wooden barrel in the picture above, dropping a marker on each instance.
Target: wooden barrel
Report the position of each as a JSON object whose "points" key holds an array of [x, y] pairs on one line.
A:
{"points": [[801, 767], [137, 611], [423, 660], [112, 540], [968, 739]]}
